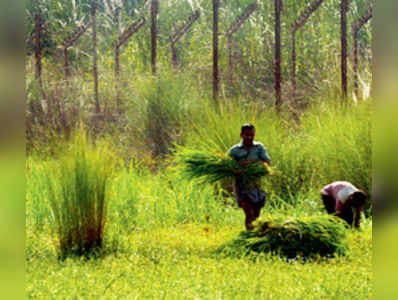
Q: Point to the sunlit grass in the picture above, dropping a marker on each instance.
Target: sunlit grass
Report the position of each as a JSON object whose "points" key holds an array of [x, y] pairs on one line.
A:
{"points": [[178, 263], [76, 186], [163, 230]]}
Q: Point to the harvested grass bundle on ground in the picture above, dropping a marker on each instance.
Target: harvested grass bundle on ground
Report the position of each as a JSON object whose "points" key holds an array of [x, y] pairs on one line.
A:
{"points": [[292, 237], [209, 168]]}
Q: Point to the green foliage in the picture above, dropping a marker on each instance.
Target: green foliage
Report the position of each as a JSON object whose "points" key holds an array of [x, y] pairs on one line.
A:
{"points": [[124, 196], [318, 42], [330, 143], [37, 189], [292, 237], [177, 262], [77, 190], [215, 167], [169, 228], [137, 198], [166, 226], [161, 109]]}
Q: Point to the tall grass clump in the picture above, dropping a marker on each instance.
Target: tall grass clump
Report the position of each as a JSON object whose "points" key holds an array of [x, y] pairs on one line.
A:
{"points": [[161, 110], [291, 237], [77, 182]]}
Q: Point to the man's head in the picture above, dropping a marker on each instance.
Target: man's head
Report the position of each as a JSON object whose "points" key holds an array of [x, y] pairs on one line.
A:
{"points": [[357, 199], [247, 134]]}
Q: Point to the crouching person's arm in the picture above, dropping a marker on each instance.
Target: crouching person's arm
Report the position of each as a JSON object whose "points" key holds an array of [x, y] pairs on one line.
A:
{"points": [[358, 217], [357, 201]]}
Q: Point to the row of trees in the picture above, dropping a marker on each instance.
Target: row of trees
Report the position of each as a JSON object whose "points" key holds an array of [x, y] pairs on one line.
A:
{"points": [[125, 18]]}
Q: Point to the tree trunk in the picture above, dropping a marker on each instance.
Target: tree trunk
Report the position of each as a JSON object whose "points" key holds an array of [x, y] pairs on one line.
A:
{"points": [[38, 22], [343, 10], [278, 8], [38, 54], [66, 63], [216, 4], [95, 69], [173, 55], [117, 66], [154, 12]]}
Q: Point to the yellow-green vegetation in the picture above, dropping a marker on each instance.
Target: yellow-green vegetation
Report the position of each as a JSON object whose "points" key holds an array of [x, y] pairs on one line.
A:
{"points": [[178, 262], [76, 183], [330, 143], [163, 230], [161, 242], [210, 168], [128, 192], [292, 237]]}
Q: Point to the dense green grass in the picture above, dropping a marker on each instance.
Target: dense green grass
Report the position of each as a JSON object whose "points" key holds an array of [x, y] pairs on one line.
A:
{"points": [[177, 262], [161, 242], [330, 143], [163, 230]]}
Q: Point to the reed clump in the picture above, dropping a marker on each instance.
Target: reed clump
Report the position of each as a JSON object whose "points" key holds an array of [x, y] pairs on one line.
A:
{"points": [[291, 237], [77, 184]]}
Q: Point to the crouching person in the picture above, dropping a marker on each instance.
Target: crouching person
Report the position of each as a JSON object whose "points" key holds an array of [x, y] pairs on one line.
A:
{"points": [[344, 200]]}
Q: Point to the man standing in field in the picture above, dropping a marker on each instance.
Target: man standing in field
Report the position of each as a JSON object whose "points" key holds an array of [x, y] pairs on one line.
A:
{"points": [[249, 197]]}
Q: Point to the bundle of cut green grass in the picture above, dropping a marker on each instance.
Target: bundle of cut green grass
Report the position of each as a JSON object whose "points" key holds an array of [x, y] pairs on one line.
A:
{"points": [[292, 237], [209, 167]]}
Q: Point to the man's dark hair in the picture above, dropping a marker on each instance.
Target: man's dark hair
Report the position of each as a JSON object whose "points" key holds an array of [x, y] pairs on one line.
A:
{"points": [[247, 126], [358, 199]]}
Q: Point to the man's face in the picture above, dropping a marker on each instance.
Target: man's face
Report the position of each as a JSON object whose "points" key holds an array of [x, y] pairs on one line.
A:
{"points": [[247, 136]]}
